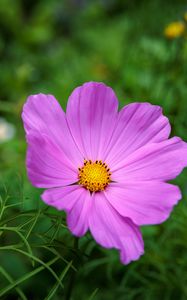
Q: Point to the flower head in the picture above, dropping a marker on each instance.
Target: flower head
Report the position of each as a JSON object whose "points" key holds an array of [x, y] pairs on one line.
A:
{"points": [[107, 169], [174, 30]]}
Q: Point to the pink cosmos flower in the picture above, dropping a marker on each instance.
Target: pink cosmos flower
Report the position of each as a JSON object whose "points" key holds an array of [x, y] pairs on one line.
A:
{"points": [[107, 169]]}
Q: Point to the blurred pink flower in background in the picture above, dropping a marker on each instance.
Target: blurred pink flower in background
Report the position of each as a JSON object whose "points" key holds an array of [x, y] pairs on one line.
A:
{"points": [[107, 169]]}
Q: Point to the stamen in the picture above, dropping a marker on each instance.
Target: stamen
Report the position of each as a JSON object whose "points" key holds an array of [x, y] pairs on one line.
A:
{"points": [[94, 176]]}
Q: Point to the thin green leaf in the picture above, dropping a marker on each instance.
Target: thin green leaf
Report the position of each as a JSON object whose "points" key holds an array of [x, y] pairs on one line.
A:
{"points": [[55, 252], [93, 294], [11, 280], [27, 276], [31, 214], [34, 258], [33, 224], [57, 225], [56, 285], [20, 235]]}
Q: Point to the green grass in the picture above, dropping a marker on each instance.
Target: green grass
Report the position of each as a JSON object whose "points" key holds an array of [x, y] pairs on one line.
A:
{"points": [[51, 47]]}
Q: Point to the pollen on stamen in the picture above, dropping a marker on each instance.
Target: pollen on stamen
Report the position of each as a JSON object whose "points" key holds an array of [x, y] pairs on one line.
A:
{"points": [[94, 176]]}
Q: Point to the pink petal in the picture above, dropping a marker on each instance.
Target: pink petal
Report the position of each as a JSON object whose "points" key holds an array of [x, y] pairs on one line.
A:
{"points": [[146, 203], [91, 114], [76, 201], [42, 113], [111, 230], [138, 124], [46, 163], [160, 161]]}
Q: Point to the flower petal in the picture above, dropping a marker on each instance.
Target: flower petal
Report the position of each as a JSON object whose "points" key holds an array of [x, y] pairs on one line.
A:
{"points": [[160, 161], [76, 201], [92, 114], [146, 203], [138, 124], [43, 113], [46, 163], [111, 230]]}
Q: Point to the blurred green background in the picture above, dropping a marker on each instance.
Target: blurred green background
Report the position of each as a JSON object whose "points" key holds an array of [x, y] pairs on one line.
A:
{"points": [[52, 46]]}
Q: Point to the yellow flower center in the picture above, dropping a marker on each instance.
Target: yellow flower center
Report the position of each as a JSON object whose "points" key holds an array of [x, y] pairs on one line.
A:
{"points": [[94, 176]]}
